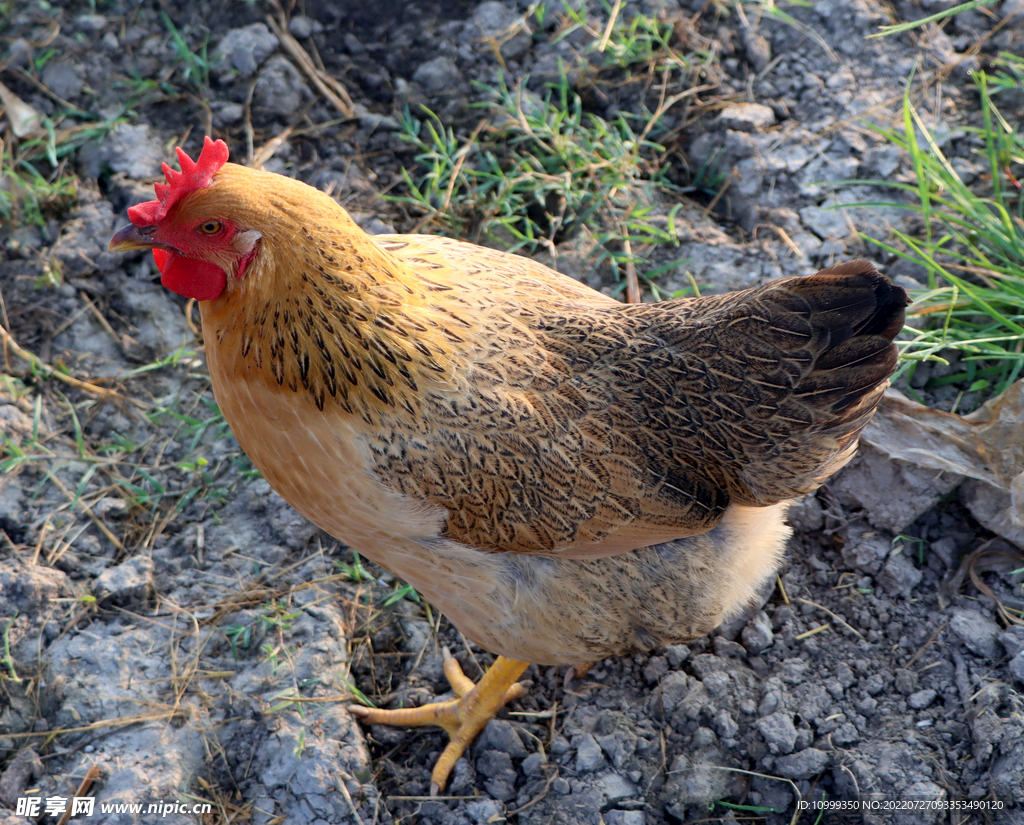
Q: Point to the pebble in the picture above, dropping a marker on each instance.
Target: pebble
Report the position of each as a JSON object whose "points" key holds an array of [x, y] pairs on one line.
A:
{"points": [[126, 582], [485, 810], [301, 27], [438, 75], [899, 576], [778, 731], [500, 735], [747, 117], [845, 735], [246, 48], [979, 633], [616, 787], [589, 756], [758, 634], [1017, 667], [676, 655], [921, 699], [802, 765], [1013, 640], [280, 87]]}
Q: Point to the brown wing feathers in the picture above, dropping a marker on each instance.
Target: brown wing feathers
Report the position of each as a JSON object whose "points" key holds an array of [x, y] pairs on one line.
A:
{"points": [[638, 424]]}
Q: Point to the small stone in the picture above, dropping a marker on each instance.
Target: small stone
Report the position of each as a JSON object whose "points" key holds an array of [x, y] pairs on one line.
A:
{"points": [[624, 818], [501, 776], [246, 48], [867, 706], [1017, 667], [676, 655], [845, 735], [438, 75], [725, 725], [769, 704], [559, 745], [946, 548], [979, 633], [881, 161], [747, 117], [619, 746], [757, 50], [802, 765], [280, 87], [758, 634], [300, 26], [125, 583], [498, 22], [91, 23], [655, 669], [921, 699], [875, 684], [1013, 640], [588, 754], [534, 764], [616, 787], [718, 684], [63, 79], [899, 576], [906, 681], [703, 738], [16, 776], [560, 786], [845, 675], [692, 780], [19, 54], [778, 731], [500, 735], [227, 113], [493, 763], [484, 811]]}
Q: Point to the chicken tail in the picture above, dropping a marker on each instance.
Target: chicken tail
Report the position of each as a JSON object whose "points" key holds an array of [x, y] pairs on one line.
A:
{"points": [[834, 332]]}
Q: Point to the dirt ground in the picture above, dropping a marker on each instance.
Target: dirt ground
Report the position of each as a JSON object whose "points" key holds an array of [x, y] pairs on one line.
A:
{"points": [[168, 619]]}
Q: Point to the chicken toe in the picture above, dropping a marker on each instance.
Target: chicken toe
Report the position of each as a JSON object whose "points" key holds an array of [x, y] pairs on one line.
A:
{"points": [[464, 717]]}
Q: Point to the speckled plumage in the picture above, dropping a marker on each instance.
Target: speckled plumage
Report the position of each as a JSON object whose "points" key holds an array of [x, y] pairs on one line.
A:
{"points": [[565, 476]]}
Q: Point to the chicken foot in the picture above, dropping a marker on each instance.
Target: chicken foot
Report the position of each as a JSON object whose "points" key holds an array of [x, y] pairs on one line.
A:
{"points": [[463, 717]]}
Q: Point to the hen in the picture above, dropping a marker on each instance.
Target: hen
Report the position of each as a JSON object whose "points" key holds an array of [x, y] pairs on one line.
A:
{"points": [[566, 477]]}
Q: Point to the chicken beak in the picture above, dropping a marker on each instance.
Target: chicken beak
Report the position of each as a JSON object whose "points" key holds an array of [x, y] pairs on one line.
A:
{"points": [[134, 237]]}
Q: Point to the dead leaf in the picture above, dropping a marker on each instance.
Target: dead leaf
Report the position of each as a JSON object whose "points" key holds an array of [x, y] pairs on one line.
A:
{"points": [[24, 119], [987, 445]]}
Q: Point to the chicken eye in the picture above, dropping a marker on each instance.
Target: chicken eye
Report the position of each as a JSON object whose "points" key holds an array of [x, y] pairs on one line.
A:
{"points": [[210, 227]]}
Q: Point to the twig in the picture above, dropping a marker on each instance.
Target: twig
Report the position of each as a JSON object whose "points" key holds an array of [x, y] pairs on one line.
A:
{"points": [[782, 589], [348, 797], [632, 284], [329, 87], [835, 616], [88, 511], [718, 197], [37, 363], [540, 796], [118, 722], [91, 776], [925, 646], [269, 148], [807, 634], [611, 24]]}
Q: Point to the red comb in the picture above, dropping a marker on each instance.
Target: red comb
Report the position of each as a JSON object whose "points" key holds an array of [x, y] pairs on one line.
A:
{"points": [[192, 177]]}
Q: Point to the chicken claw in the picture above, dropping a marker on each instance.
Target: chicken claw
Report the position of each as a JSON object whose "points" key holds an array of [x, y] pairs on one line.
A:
{"points": [[463, 717]]}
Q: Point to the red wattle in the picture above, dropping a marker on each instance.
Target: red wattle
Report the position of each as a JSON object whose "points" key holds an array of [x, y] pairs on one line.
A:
{"points": [[188, 276], [161, 256]]}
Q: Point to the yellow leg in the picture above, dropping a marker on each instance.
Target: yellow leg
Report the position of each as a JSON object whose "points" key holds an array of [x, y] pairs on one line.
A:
{"points": [[463, 717]]}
